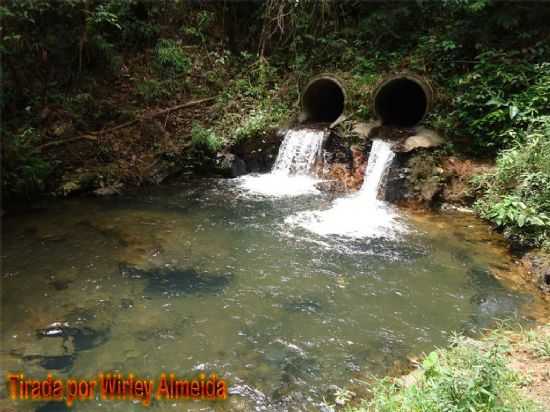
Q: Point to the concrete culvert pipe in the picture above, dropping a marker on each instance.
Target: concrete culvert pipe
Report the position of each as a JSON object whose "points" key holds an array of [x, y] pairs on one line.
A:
{"points": [[323, 99], [402, 100]]}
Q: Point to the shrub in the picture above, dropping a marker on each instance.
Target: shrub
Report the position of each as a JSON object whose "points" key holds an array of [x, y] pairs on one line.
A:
{"points": [[260, 121], [24, 170], [516, 196], [204, 138], [152, 90], [169, 59], [466, 377]]}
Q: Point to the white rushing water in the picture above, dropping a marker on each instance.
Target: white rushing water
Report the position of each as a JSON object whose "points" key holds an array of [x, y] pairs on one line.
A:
{"points": [[362, 214], [293, 171]]}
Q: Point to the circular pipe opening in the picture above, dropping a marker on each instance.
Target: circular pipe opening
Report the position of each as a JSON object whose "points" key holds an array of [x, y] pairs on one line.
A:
{"points": [[323, 99], [402, 101]]}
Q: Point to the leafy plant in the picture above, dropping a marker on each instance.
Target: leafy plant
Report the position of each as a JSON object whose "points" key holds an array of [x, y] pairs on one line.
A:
{"points": [[467, 377], [539, 343], [170, 59], [516, 195], [259, 122], [204, 138], [24, 170], [203, 20], [153, 90]]}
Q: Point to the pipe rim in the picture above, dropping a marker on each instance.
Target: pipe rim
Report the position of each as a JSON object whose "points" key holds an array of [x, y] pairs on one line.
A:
{"points": [[419, 80], [324, 76]]}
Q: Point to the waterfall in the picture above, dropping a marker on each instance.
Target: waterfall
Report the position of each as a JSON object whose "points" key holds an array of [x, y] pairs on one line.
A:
{"points": [[380, 158], [299, 152], [293, 171], [361, 215]]}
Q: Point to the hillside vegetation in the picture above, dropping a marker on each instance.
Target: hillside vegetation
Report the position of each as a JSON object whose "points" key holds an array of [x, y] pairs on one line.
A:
{"points": [[72, 69]]}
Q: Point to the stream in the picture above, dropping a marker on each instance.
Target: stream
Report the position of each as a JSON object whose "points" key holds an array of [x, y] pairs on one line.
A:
{"points": [[209, 275]]}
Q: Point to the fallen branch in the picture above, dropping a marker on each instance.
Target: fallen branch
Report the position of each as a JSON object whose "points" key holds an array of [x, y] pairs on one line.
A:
{"points": [[93, 135], [73, 139], [159, 113]]}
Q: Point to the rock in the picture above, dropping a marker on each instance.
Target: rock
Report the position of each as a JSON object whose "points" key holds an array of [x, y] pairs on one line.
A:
{"points": [[164, 169], [429, 190], [363, 129], [53, 406], [82, 337], [331, 186], [423, 138], [79, 181], [537, 264], [231, 165], [259, 154], [55, 346], [108, 190], [172, 282]]}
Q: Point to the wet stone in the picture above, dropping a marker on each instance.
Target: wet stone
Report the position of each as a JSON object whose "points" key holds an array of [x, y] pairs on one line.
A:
{"points": [[59, 284], [177, 282], [306, 306], [61, 363], [82, 337], [126, 303], [54, 353]]}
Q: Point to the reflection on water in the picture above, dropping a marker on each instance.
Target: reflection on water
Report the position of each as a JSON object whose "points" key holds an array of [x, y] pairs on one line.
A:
{"points": [[199, 277]]}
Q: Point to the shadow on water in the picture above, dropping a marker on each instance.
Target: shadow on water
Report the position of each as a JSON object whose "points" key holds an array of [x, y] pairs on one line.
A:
{"points": [[174, 282], [492, 300], [53, 406]]}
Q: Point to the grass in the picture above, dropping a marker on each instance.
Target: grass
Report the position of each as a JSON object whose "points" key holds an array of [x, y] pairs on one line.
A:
{"points": [[469, 376], [539, 344]]}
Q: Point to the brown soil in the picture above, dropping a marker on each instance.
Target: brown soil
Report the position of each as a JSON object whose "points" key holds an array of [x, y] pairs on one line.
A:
{"points": [[534, 368], [459, 172]]}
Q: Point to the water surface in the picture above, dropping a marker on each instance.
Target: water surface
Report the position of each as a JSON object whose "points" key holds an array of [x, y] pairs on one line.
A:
{"points": [[206, 276]]}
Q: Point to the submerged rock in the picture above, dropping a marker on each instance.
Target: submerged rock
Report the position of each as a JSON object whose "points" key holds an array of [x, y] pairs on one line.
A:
{"points": [[82, 337], [305, 305], [176, 281], [59, 284], [53, 406], [55, 353], [538, 266]]}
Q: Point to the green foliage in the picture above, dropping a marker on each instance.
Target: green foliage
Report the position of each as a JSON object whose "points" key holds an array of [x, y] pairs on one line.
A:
{"points": [[153, 90], [539, 344], [493, 99], [259, 122], [199, 30], [24, 170], [138, 21], [251, 103], [464, 378], [205, 139], [169, 58], [516, 196]]}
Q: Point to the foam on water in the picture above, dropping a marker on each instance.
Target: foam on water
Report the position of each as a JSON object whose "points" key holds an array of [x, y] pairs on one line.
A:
{"points": [[292, 173], [362, 214]]}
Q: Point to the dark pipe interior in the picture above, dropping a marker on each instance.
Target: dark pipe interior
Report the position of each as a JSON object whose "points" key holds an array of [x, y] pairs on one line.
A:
{"points": [[401, 102], [323, 101]]}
